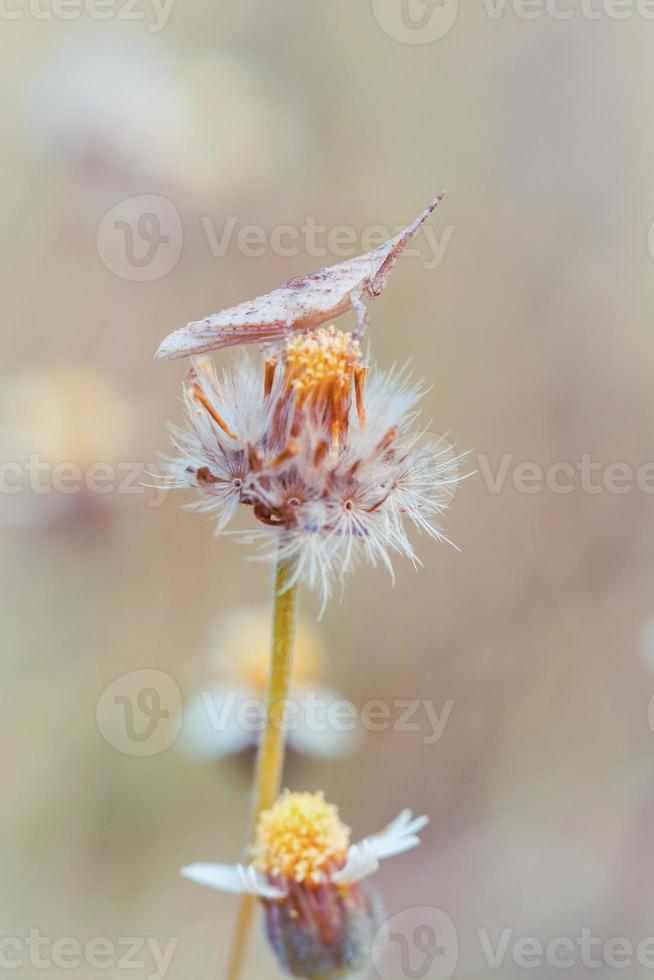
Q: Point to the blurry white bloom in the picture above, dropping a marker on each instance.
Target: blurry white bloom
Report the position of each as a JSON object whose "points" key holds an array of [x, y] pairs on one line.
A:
{"points": [[106, 106], [237, 138], [58, 426], [320, 915], [329, 464], [122, 115], [219, 720]]}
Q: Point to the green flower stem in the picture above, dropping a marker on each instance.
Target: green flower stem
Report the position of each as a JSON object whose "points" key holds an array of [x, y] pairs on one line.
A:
{"points": [[270, 759]]}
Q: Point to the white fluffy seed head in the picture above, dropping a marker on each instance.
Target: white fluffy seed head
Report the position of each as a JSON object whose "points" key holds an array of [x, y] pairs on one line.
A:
{"points": [[324, 451]]}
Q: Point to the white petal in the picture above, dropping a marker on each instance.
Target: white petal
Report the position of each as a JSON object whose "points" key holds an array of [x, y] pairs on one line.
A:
{"points": [[403, 818], [399, 846], [257, 884], [233, 878], [361, 863], [363, 859], [401, 835], [212, 725], [222, 877], [320, 726]]}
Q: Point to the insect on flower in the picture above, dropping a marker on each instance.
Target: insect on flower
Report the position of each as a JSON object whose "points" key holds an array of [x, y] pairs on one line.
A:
{"points": [[321, 447], [300, 304], [321, 914]]}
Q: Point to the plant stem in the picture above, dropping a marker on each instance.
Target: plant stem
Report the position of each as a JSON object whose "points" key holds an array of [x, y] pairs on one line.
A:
{"points": [[270, 758]]}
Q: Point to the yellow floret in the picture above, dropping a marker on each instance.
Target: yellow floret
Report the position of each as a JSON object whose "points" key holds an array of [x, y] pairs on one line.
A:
{"points": [[300, 837], [322, 355]]}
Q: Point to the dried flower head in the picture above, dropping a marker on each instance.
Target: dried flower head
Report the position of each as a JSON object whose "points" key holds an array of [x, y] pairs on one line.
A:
{"points": [[321, 916], [321, 447]]}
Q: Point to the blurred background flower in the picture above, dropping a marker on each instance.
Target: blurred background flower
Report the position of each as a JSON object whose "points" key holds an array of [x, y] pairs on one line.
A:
{"points": [[226, 716], [120, 113], [66, 433]]}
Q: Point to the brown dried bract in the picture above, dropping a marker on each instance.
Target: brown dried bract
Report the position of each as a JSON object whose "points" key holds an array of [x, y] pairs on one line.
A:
{"points": [[300, 304]]}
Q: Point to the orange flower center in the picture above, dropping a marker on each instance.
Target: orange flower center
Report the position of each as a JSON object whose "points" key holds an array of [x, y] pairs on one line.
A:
{"points": [[322, 369]]}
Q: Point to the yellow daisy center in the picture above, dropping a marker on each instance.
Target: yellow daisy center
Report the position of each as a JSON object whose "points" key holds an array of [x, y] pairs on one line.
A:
{"points": [[300, 837], [322, 368], [321, 358]]}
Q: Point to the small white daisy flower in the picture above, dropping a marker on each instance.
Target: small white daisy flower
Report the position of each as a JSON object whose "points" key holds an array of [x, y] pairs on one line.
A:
{"points": [[227, 715], [328, 463], [320, 915]]}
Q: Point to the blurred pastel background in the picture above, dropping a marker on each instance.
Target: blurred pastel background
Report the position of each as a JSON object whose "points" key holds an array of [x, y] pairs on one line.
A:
{"points": [[534, 329]]}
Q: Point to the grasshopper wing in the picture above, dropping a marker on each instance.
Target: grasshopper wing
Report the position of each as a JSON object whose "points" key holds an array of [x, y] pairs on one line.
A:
{"points": [[300, 304]]}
